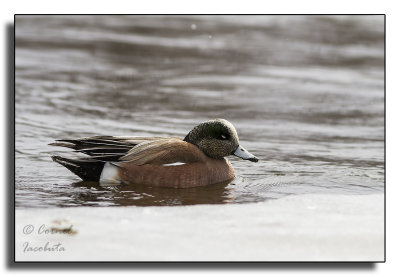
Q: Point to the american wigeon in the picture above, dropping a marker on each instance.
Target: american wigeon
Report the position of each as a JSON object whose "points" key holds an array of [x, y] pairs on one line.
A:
{"points": [[197, 160]]}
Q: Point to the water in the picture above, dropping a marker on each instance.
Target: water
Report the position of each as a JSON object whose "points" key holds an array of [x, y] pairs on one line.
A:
{"points": [[305, 93]]}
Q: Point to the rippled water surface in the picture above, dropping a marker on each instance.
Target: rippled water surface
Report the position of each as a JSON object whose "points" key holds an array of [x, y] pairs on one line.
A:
{"points": [[305, 93]]}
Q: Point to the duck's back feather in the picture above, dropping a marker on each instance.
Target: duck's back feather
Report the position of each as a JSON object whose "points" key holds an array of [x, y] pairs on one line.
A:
{"points": [[104, 148]]}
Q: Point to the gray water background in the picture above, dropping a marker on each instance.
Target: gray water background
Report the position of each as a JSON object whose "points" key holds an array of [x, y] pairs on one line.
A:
{"points": [[305, 93]]}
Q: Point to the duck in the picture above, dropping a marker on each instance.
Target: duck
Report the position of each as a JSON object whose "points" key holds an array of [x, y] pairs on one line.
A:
{"points": [[197, 160]]}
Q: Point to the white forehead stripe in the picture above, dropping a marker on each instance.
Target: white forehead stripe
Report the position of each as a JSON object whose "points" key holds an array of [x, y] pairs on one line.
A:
{"points": [[228, 124]]}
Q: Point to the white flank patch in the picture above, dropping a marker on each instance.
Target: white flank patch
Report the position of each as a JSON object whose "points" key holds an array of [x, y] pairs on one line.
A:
{"points": [[174, 164], [109, 175]]}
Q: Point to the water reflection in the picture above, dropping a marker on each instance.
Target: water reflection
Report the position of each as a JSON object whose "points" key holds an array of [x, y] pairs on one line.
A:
{"points": [[140, 195]]}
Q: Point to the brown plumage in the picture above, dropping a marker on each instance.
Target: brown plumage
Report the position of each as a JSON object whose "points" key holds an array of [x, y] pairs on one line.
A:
{"points": [[197, 168]]}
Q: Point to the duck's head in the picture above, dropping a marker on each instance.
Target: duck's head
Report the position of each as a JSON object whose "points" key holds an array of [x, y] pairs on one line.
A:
{"points": [[217, 139]]}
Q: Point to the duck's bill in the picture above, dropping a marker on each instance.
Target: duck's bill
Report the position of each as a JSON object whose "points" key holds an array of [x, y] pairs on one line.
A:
{"points": [[244, 154]]}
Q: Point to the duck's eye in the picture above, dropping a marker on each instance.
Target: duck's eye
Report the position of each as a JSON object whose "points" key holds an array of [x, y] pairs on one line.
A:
{"points": [[223, 137]]}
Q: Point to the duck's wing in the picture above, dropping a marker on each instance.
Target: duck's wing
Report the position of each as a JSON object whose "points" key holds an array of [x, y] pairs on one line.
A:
{"points": [[105, 148], [163, 151]]}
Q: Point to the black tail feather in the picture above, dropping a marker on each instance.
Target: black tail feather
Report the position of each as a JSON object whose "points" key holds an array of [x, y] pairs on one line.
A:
{"points": [[86, 169]]}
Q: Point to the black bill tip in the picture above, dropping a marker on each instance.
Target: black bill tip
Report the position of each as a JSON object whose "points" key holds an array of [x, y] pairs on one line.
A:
{"points": [[254, 160]]}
